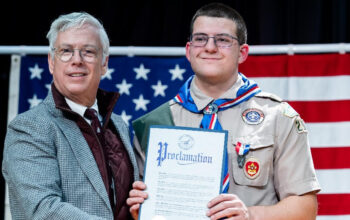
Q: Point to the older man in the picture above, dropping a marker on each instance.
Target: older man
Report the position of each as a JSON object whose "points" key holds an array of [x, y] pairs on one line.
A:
{"points": [[70, 157]]}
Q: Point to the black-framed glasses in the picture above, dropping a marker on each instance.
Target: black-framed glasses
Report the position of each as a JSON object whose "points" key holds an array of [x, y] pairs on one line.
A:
{"points": [[220, 40], [88, 54]]}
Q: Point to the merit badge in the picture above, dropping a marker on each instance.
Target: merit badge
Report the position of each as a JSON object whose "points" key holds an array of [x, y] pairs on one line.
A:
{"points": [[253, 116], [252, 168], [299, 123], [210, 109]]}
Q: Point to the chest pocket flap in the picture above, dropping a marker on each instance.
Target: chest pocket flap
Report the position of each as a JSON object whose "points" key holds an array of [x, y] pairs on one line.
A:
{"points": [[258, 164]]}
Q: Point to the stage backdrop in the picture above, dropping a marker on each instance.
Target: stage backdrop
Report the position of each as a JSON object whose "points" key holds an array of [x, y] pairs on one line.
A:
{"points": [[317, 86]]}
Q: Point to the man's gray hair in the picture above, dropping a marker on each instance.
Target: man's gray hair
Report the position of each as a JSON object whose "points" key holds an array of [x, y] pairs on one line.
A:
{"points": [[77, 20]]}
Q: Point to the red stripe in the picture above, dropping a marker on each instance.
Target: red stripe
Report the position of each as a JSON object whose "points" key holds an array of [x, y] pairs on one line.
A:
{"points": [[331, 158], [230, 102], [333, 204], [211, 121], [296, 65], [179, 98], [225, 179], [322, 111]]}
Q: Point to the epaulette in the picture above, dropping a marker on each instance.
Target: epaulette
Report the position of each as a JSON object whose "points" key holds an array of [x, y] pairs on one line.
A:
{"points": [[268, 95]]}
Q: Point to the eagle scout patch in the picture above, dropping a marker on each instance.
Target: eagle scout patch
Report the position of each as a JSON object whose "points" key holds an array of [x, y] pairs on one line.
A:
{"points": [[300, 125], [252, 168], [253, 116]]}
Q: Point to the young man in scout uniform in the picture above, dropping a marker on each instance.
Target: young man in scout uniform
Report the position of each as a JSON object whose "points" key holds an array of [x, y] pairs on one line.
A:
{"points": [[270, 168]]}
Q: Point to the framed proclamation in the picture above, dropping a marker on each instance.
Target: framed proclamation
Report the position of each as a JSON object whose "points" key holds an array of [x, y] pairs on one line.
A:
{"points": [[183, 172]]}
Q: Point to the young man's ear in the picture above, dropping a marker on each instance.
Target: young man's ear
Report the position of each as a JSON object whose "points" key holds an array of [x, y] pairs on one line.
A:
{"points": [[188, 47], [243, 53]]}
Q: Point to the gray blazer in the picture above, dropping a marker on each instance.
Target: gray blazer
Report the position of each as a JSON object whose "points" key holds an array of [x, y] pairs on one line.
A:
{"points": [[50, 170]]}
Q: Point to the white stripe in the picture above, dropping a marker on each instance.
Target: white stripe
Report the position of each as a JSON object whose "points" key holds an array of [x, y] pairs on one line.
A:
{"points": [[241, 149], [12, 111], [177, 99], [248, 94], [329, 134], [212, 126], [334, 181], [307, 88], [240, 99], [225, 184], [333, 217], [14, 88], [180, 51]]}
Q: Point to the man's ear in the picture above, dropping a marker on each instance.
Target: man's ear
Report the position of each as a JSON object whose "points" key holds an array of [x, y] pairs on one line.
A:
{"points": [[243, 53], [188, 47], [105, 66], [50, 62]]}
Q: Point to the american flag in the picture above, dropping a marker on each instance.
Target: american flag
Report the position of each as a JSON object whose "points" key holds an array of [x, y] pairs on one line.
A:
{"points": [[316, 85]]}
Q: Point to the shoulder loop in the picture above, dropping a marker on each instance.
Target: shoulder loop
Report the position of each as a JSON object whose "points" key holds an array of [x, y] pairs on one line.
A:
{"points": [[268, 95], [289, 110]]}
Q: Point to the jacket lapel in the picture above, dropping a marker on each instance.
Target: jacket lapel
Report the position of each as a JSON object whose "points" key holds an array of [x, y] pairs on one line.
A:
{"points": [[80, 149], [84, 156]]}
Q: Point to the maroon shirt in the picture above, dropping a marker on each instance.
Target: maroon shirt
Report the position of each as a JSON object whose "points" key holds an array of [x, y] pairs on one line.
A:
{"points": [[110, 154]]}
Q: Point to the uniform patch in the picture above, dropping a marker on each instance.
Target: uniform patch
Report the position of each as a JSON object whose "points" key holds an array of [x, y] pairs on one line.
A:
{"points": [[300, 125], [252, 168], [289, 111], [253, 116]]}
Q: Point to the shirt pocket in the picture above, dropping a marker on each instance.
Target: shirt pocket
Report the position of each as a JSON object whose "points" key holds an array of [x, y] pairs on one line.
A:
{"points": [[260, 157]]}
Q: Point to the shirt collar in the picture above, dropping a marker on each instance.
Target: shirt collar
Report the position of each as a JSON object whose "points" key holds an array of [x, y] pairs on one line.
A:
{"points": [[80, 109], [201, 100]]}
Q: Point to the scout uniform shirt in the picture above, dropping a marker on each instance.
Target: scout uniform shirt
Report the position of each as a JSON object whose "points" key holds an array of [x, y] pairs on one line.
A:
{"points": [[278, 163]]}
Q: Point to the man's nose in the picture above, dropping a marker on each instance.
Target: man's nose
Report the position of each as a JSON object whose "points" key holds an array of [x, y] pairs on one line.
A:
{"points": [[211, 44], [76, 56]]}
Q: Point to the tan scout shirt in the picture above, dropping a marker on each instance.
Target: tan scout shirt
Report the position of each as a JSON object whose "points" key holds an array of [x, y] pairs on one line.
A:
{"points": [[278, 144]]}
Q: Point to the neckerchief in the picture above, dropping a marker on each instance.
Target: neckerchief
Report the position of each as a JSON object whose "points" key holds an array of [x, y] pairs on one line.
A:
{"points": [[210, 116]]}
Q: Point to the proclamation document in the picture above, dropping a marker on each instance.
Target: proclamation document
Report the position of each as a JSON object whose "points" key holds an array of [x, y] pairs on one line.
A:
{"points": [[183, 172]]}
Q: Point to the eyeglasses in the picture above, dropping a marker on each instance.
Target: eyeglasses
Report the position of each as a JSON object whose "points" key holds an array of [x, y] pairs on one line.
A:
{"points": [[65, 54], [220, 40]]}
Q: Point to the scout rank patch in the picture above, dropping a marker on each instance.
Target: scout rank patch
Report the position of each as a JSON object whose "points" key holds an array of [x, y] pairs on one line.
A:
{"points": [[299, 123], [253, 116], [252, 168]]}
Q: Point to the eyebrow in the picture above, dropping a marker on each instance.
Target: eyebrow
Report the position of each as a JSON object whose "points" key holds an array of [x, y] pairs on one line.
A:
{"points": [[214, 34], [84, 46]]}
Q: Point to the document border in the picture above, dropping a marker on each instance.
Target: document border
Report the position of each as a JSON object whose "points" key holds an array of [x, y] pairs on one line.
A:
{"points": [[186, 128]]}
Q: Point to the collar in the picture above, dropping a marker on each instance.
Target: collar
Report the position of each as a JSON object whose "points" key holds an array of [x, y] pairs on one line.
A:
{"points": [[80, 109], [105, 102], [201, 100]]}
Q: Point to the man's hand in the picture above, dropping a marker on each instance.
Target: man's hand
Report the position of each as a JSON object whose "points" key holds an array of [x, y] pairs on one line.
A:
{"points": [[227, 206], [136, 197]]}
